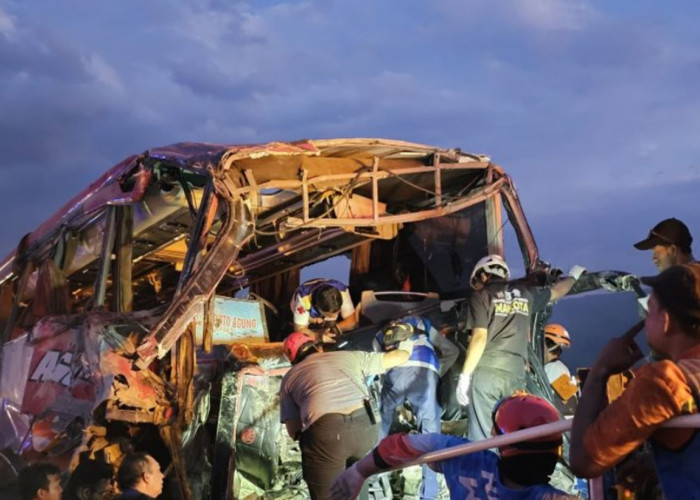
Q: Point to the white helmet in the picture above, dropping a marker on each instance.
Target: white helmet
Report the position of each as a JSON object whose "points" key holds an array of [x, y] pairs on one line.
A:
{"points": [[492, 264]]}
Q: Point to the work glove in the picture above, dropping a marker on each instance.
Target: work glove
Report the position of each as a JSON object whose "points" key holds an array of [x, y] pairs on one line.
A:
{"points": [[463, 389], [609, 285], [576, 272], [406, 345], [347, 485], [644, 304]]}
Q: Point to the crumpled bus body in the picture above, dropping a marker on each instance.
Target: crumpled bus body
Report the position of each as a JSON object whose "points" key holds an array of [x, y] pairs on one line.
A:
{"points": [[121, 325]]}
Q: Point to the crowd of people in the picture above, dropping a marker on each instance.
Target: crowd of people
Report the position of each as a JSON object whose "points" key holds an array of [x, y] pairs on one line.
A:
{"points": [[139, 477], [328, 403], [499, 316]]}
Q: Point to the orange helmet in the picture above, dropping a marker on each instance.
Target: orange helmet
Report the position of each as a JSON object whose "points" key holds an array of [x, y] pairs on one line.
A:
{"points": [[522, 411], [295, 343], [558, 335]]}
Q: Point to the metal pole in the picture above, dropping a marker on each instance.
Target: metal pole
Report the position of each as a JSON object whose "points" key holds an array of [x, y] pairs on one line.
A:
{"points": [[685, 421]]}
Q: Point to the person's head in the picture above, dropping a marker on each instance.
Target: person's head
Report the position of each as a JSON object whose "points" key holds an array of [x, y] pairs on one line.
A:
{"points": [[556, 338], [327, 300], [394, 333], [90, 480], [40, 482], [298, 345], [673, 319], [141, 472], [529, 462], [489, 267], [670, 242]]}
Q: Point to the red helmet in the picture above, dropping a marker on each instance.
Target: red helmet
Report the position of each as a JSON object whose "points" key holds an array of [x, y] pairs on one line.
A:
{"points": [[557, 334], [294, 343], [522, 411]]}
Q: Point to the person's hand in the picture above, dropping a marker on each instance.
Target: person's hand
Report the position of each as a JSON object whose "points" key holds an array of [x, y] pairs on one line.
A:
{"points": [[620, 353], [609, 284], [463, 389], [328, 336], [629, 282], [614, 282], [347, 485], [576, 272], [644, 303]]}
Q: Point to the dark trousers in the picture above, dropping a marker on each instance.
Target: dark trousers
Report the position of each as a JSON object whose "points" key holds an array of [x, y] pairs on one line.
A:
{"points": [[488, 387], [331, 444]]}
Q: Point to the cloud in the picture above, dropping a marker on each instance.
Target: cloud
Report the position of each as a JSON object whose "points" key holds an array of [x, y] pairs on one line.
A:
{"points": [[552, 14], [218, 25], [586, 105], [531, 15], [7, 24], [103, 73]]}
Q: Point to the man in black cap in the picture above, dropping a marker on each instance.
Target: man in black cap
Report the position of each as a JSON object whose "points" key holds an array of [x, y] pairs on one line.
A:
{"points": [[604, 433], [670, 242]]}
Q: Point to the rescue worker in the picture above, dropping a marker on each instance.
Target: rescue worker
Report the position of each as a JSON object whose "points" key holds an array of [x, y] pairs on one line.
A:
{"points": [[415, 381], [556, 339], [326, 405], [499, 318], [521, 472], [604, 433], [316, 306], [670, 242]]}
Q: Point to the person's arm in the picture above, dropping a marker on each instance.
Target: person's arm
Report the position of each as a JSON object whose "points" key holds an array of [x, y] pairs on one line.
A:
{"points": [[617, 356], [300, 313], [593, 401], [477, 344], [564, 286], [478, 320], [561, 288], [349, 323], [394, 358], [298, 327], [348, 312], [293, 428], [289, 411], [394, 450]]}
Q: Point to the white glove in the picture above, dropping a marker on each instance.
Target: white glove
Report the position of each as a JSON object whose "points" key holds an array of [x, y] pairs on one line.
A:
{"points": [[576, 272], [347, 485], [644, 303], [463, 388], [406, 345]]}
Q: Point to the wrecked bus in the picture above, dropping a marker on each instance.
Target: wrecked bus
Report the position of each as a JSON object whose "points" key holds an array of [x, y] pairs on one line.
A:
{"points": [[147, 312]]}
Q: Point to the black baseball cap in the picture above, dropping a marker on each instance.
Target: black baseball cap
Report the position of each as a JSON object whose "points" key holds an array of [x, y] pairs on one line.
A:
{"points": [[667, 232], [678, 287]]}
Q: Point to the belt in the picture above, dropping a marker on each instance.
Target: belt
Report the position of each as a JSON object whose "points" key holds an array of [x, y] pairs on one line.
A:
{"points": [[359, 415]]}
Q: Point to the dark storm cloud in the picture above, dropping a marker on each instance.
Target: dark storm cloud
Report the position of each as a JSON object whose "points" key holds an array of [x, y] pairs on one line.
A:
{"points": [[49, 57], [204, 78], [589, 112]]}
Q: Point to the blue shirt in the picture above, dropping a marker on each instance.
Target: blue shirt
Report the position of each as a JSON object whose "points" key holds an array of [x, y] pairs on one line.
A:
{"points": [[475, 476]]}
